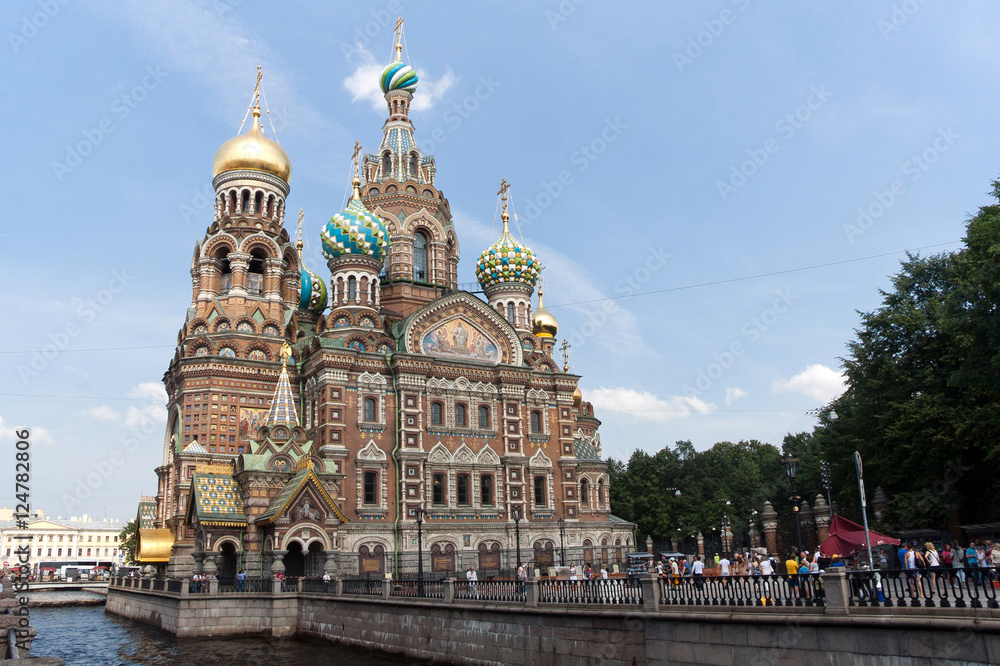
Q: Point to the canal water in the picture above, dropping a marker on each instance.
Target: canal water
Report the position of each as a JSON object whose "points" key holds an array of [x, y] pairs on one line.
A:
{"points": [[85, 635]]}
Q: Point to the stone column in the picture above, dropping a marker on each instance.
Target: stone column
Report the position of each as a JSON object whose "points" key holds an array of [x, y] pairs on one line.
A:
{"points": [[769, 517], [531, 592], [649, 544], [838, 594], [199, 563], [650, 591], [701, 545], [239, 265], [449, 590], [821, 515], [880, 502], [210, 567], [808, 526], [673, 544], [754, 537]]}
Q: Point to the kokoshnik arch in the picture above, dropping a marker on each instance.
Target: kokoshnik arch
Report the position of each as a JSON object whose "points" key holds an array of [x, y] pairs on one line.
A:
{"points": [[310, 419]]}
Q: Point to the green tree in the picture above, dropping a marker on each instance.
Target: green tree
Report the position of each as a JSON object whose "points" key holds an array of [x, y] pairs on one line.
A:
{"points": [[128, 540]]}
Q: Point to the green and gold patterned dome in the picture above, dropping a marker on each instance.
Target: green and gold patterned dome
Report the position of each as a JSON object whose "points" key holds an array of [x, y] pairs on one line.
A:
{"points": [[507, 260]]}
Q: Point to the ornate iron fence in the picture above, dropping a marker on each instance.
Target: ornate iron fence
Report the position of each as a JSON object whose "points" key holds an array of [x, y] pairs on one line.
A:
{"points": [[491, 590], [935, 587], [428, 589], [615, 591], [364, 586], [773, 590]]}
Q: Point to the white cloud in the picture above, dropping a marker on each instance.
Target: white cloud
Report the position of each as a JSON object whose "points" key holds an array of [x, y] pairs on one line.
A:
{"points": [[816, 381], [150, 391], [104, 413], [362, 83], [140, 416], [733, 394], [645, 406], [36, 434]]}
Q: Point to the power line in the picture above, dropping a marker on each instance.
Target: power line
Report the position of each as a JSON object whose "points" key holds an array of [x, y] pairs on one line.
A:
{"points": [[92, 349], [751, 277], [71, 397]]}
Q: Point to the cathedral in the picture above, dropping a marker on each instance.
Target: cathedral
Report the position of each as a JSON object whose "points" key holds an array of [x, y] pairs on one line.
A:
{"points": [[320, 424]]}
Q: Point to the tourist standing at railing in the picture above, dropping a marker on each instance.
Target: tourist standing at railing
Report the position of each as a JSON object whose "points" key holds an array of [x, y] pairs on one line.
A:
{"points": [[725, 570], [241, 579], [472, 579], [933, 559], [326, 581], [604, 572], [698, 572]]}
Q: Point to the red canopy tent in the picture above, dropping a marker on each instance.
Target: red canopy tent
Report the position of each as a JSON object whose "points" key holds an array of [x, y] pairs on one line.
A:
{"points": [[847, 538]]}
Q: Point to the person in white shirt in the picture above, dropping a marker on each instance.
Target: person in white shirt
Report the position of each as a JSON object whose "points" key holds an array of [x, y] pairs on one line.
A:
{"points": [[604, 573], [698, 571], [724, 567], [471, 578], [765, 567], [572, 571]]}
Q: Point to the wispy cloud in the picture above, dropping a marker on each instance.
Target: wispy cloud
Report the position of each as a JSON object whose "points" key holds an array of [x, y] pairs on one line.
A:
{"points": [[362, 83], [37, 434], [566, 280], [816, 381], [150, 391], [103, 413], [733, 394], [207, 41], [646, 406]]}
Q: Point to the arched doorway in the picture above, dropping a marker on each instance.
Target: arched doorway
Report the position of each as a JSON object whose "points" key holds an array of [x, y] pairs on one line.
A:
{"points": [[230, 561], [295, 561], [315, 560]]}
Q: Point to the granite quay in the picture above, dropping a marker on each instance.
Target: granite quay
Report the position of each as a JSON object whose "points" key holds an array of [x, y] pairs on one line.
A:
{"points": [[637, 620]]}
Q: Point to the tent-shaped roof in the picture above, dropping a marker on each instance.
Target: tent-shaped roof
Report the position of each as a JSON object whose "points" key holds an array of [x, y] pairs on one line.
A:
{"points": [[847, 538], [153, 546], [305, 476]]}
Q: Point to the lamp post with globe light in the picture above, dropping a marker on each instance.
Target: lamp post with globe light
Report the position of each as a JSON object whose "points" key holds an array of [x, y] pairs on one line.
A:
{"points": [[791, 464]]}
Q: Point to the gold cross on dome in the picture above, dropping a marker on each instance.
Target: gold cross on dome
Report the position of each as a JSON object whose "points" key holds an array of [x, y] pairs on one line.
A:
{"points": [[298, 242], [256, 88], [504, 186], [565, 354], [354, 157], [398, 34]]}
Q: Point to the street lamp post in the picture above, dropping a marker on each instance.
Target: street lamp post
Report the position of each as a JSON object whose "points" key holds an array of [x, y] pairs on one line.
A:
{"points": [[562, 542], [420, 551], [824, 468], [792, 469], [517, 534]]}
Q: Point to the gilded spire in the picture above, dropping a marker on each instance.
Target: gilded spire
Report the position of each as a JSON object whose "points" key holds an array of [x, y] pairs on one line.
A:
{"points": [[298, 242], [504, 186], [398, 35], [357, 180]]}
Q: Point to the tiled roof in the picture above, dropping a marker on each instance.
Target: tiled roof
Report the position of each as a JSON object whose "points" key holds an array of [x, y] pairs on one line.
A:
{"points": [[217, 499]]}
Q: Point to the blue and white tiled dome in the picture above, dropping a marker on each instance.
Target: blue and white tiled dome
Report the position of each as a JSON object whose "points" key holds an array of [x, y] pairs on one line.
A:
{"points": [[507, 260], [355, 231]]}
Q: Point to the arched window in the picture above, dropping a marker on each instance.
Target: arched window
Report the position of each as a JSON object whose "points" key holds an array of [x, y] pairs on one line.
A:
{"points": [[420, 257], [436, 414], [461, 417], [600, 493], [259, 203], [486, 486], [413, 164], [584, 492], [438, 488], [386, 164], [539, 491], [245, 206], [510, 313], [352, 288], [536, 422], [371, 484], [371, 405], [462, 489], [484, 416], [255, 274]]}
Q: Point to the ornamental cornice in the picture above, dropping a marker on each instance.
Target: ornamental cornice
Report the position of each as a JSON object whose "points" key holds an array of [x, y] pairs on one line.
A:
{"points": [[249, 174]]}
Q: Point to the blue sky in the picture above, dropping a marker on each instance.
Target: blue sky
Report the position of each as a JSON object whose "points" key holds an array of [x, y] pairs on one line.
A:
{"points": [[651, 147]]}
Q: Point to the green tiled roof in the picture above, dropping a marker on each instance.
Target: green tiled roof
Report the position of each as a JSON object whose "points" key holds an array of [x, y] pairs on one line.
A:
{"points": [[146, 515], [216, 499]]}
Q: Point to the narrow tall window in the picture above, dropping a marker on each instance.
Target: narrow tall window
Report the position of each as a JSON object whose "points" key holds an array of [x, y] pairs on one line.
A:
{"points": [[227, 281], [600, 493], [436, 413], [539, 491], [486, 486], [371, 483], [461, 418], [246, 202], [462, 489], [370, 406], [352, 288], [386, 165], [584, 492], [536, 422], [484, 416], [510, 313], [420, 257], [438, 488]]}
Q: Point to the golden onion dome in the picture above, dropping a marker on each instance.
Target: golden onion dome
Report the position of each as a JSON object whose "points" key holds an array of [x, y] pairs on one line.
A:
{"points": [[252, 150], [543, 324], [577, 397]]}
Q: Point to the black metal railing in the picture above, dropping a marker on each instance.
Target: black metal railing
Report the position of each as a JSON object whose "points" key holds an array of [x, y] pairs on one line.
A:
{"points": [[616, 591], [773, 590], [369, 587], [175, 586], [491, 590], [428, 589], [934, 587], [159, 584], [248, 584]]}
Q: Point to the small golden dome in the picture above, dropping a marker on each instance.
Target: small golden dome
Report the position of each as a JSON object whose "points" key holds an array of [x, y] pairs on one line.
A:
{"points": [[577, 397], [253, 150], [543, 324]]}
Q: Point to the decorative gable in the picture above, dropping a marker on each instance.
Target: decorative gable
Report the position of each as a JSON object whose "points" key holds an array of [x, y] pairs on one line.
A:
{"points": [[460, 326]]}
